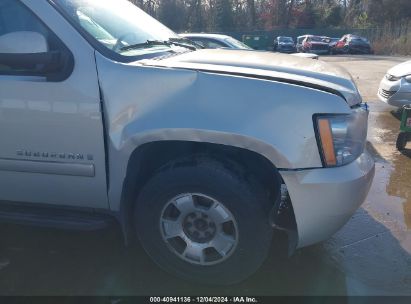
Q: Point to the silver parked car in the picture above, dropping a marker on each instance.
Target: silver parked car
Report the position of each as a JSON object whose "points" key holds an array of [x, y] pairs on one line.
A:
{"points": [[216, 41], [395, 87], [107, 115]]}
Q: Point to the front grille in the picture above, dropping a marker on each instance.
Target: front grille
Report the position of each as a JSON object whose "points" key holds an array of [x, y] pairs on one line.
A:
{"points": [[286, 48], [387, 94]]}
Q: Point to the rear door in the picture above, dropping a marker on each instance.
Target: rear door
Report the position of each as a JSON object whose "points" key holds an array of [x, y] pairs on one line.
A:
{"points": [[51, 128]]}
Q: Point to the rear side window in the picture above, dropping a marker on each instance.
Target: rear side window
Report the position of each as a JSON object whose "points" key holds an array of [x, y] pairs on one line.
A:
{"points": [[211, 43], [17, 22]]}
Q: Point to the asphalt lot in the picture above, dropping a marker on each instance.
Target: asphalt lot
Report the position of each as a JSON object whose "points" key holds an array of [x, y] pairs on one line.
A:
{"points": [[371, 255]]}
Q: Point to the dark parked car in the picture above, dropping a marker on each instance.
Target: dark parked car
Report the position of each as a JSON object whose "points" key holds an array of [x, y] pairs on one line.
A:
{"points": [[316, 45], [353, 44], [284, 44]]}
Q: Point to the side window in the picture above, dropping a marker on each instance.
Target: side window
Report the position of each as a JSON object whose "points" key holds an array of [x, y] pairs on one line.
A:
{"points": [[27, 46], [198, 41], [208, 43], [214, 44]]}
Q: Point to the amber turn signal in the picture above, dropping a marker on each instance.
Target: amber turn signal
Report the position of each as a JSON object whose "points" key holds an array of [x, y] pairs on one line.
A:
{"points": [[327, 142]]}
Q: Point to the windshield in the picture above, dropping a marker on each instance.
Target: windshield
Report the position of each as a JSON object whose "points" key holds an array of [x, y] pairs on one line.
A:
{"points": [[119, 25], [286, 39], [237, 44]]}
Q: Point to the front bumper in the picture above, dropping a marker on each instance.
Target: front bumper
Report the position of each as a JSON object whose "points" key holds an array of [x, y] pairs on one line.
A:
{"points": [[395, 93], [325, 199]]}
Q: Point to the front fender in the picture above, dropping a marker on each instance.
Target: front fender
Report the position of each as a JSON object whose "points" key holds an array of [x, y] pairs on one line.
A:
{"points": [[146, 104]]}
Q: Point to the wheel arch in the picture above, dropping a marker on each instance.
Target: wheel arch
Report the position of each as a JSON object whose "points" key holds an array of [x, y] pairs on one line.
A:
{"points": [[147, 158]]}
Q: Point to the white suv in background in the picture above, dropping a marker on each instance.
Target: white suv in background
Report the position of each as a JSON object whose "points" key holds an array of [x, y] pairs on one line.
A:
{"points": [[395, 87]]}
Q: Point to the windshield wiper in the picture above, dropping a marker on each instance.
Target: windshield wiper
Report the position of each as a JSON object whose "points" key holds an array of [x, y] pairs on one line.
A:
{"points": [[149, 43], [184, 42]]}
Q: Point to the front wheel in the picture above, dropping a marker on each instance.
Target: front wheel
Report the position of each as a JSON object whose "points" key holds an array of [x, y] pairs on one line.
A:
{"points": [[203, 222]]}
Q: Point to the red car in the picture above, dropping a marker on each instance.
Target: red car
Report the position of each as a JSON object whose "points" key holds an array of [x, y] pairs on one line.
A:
{"points": [[316, 45], [352, 44]]}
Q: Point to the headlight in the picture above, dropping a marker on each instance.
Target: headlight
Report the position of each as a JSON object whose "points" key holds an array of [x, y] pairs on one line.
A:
{"points": [[408, 78], [342, 138]]}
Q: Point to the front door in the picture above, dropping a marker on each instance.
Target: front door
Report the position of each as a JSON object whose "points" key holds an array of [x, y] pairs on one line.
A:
{"points": [[51, 129]]}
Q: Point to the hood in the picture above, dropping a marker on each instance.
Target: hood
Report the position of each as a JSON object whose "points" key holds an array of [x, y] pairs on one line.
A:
{"points": [[401, 70], [271, 66]]}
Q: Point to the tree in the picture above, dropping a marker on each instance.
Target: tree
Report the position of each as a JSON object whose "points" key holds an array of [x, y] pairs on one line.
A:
{"points": [[196, 22], [251, 13], [172, 13], [223, 15], [239, 15]]}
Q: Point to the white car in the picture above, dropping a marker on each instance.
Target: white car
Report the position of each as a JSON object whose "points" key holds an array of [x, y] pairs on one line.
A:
{"points": [[395, 87], [107, 115], [218, 41]]}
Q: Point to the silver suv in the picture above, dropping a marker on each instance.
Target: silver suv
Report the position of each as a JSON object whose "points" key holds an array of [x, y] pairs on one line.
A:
{"points": [[107, 114]]}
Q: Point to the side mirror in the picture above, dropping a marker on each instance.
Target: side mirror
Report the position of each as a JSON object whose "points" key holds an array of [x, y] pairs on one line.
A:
{"points": [[29, 51]]}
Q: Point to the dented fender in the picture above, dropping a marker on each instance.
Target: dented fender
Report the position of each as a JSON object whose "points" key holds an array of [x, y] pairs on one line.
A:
{"points": [[145, 104]]}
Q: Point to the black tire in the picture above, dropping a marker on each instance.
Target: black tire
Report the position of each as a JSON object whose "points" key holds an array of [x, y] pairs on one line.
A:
{"points": [[247, 202], [402, 141]]}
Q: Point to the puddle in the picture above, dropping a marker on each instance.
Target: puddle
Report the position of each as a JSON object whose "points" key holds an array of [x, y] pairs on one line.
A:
{"points": [[392, 183], [399, 185]]}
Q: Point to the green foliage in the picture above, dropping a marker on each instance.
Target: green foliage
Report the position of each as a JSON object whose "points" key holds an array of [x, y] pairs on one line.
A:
{"points": [[330, 16], [363, 22]]}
